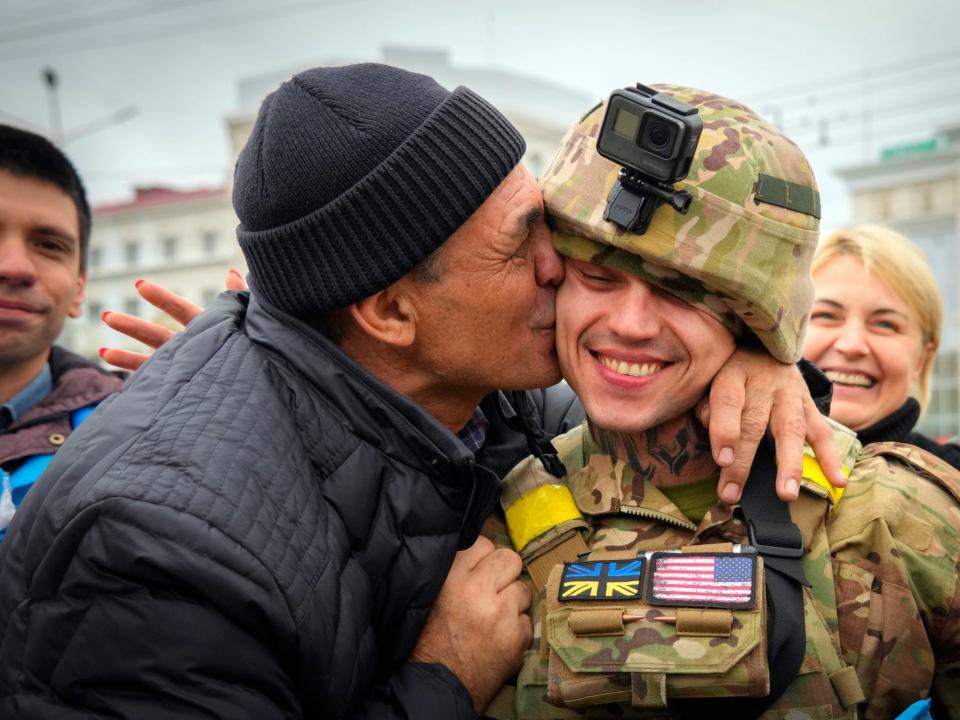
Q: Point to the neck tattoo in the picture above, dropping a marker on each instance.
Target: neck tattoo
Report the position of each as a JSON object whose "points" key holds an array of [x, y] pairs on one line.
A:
{"points": [[674, 452]]}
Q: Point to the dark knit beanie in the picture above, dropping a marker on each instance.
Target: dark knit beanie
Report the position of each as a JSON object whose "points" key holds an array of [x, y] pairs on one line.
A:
{"points": [[352, 175]]}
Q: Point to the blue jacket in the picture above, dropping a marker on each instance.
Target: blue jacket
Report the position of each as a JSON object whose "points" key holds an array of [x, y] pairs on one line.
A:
{"points": [[29, 444]]}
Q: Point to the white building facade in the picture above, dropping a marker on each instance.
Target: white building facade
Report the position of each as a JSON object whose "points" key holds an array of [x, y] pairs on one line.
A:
{"points": [[184, 240], [917, 192]]}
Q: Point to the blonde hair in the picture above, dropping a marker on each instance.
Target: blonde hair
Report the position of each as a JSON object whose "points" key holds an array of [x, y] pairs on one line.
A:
{"points": [[901, 266]]}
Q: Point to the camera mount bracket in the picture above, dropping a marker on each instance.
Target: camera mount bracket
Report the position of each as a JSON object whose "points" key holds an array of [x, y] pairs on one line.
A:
{"points": [[632, 200]]}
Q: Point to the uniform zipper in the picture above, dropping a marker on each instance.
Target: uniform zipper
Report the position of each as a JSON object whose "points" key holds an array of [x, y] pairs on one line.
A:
{"points": [[656, 515]]}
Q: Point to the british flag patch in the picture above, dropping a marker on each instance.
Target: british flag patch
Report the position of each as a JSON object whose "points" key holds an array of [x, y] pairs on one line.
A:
{"points": [[602, 580], [720, 580]]}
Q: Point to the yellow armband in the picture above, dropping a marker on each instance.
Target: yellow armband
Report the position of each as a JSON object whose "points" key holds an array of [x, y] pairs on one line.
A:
{"points": [[539, 511]]}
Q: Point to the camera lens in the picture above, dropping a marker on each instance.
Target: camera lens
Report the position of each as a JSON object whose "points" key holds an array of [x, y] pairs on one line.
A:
{"points": [[659, 136]]}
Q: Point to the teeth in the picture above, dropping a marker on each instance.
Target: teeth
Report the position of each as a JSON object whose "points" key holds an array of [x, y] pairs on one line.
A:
{"points": [[856, 379], [633, 369]]}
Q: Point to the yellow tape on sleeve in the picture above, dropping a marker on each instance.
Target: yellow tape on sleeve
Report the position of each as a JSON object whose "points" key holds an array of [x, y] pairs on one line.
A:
{"points": [[539, 511], [814, 473]]}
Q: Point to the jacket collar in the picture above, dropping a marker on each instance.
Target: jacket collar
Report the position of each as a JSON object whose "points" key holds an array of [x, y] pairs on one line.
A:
{"points": [[76, 382], [894, 427], [34, 392], [379, 415], [608, 485]]}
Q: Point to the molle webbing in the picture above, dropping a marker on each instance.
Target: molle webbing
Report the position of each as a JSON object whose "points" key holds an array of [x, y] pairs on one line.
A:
{"points": [[707, 622], [597, 621]]}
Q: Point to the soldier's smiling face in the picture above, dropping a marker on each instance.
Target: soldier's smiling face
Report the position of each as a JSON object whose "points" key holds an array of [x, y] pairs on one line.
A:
{"points": [[636, 355]]}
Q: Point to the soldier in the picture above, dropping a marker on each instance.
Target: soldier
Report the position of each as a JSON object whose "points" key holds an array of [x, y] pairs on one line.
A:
{"points": [[737, 617]]}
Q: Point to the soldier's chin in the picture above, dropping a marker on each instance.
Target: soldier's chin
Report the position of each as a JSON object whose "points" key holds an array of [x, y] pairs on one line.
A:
{"points": [[621, 423]]}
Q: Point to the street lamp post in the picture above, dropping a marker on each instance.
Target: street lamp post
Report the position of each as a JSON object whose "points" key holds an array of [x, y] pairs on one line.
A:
{"points": [[51, 81]]}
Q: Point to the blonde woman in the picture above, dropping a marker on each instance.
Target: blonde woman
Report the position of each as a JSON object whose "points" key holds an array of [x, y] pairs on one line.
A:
{"points": [[874, 330]]}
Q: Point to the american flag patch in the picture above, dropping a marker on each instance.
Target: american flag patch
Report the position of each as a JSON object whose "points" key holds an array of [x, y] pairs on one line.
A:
{"points": [[602, 580], [723, 580]]}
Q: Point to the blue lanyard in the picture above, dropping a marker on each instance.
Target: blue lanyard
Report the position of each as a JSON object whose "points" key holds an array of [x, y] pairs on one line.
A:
{"points": [[30, 470]]}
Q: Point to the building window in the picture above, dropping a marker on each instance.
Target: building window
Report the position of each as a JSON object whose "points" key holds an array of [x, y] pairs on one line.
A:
{"points": [[170, 248], [884, 207], [131, 252], [942, 418], [131, 306], [96, 257], [939, 242], [210, 243], [94, 311]]}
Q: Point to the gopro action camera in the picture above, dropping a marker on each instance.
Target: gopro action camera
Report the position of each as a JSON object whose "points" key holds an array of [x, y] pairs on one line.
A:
{"points": [[653, 137]]}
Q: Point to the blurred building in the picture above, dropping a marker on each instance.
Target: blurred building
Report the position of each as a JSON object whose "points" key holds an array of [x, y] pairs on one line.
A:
{"points": [[184, 240], [915, 188], [543, 111]]}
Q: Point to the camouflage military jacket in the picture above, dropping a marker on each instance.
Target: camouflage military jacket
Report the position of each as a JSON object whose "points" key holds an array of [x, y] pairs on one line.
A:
{"points": [[883, 561]]}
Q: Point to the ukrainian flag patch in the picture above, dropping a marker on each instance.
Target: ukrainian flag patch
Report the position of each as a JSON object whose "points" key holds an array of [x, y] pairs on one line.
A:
{"points": [[590, 581]]}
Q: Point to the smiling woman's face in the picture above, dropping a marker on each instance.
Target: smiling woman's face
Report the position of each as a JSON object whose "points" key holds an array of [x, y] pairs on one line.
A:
{"points": [[866, 339]]}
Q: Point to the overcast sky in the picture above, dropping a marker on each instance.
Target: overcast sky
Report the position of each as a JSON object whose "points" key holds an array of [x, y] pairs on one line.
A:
{"points": [[843, 78]]}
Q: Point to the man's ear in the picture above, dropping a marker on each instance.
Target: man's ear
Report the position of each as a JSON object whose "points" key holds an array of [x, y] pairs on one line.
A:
{"points": [[76, 305], [387, 316]]}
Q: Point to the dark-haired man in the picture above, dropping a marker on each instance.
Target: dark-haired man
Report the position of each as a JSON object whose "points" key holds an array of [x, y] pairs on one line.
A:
{"points": [[45, 391]]}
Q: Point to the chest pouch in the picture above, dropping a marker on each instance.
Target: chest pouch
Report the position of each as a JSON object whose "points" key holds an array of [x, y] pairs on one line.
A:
{"points": [[659, 627]]}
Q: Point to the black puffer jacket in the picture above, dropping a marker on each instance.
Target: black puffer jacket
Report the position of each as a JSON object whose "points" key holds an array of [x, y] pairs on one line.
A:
{"points": [[254, 528]]}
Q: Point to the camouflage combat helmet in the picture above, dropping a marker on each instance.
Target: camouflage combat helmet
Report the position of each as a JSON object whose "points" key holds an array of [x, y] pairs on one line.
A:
{"points": [[742, 253]]}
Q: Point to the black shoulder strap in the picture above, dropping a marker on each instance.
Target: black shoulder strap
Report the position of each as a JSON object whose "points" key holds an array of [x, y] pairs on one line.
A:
{"points": [[779, 542]]}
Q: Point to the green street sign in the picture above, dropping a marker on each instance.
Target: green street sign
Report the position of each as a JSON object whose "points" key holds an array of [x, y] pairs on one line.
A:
{"points": [[905, 150]]}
